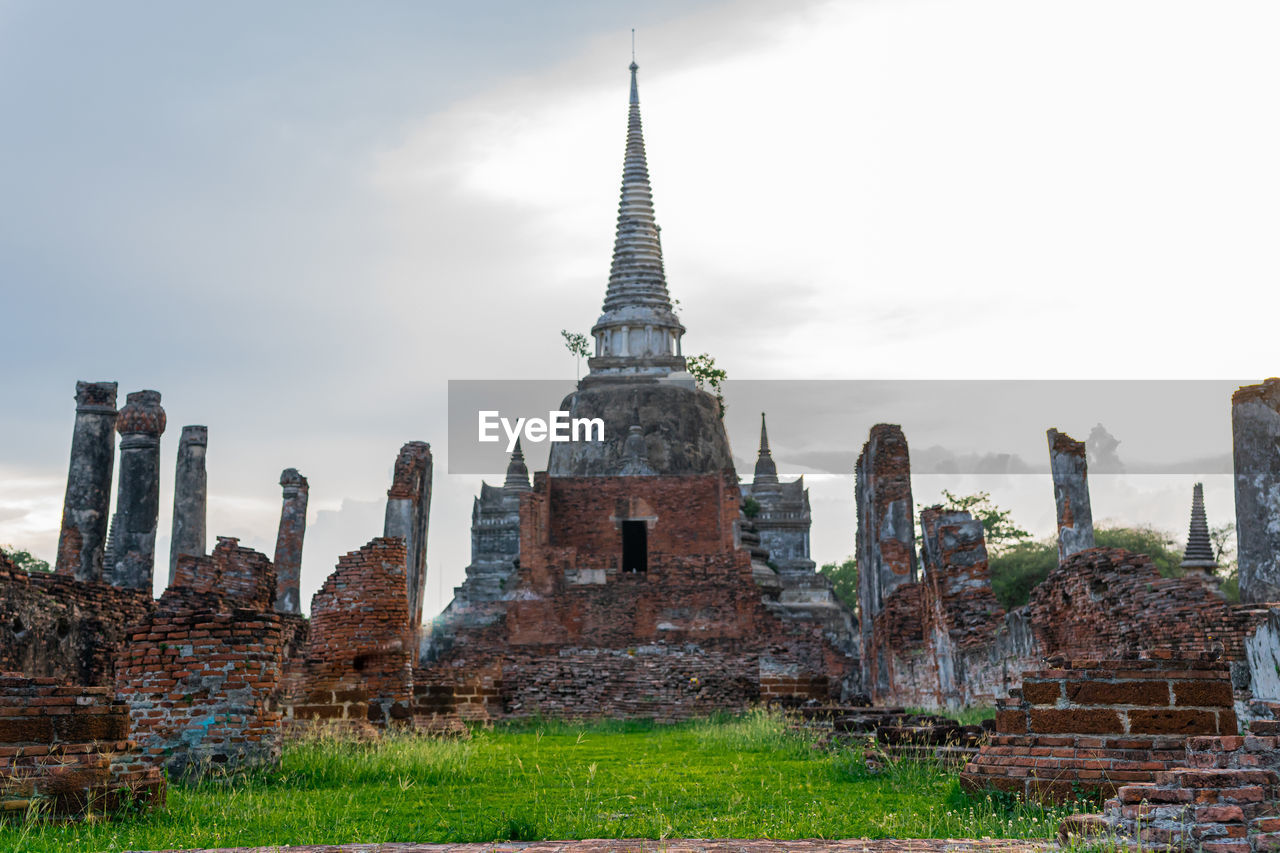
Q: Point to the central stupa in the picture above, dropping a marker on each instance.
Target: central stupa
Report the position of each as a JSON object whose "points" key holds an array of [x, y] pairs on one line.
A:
{"points": [[656, 421]]}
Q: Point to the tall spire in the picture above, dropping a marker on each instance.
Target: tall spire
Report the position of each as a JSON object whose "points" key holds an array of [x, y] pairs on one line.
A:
{"points": [[766, 471], [517, 472], [638, 332], [1199, 551]]}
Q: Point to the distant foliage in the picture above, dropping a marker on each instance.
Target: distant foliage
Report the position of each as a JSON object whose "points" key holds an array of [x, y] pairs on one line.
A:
{"points": [[751, 507], [844, 580], [1223, 537], [25, 559], [1161, 547], [1020, 568]]}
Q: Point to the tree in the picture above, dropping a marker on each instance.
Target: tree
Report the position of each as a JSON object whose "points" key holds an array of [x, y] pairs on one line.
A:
{"points": [[577, 345], [1020, 568], [1223, 537], [844, 580], [25, 559], [751, 507], [998, 528], [702, 368], [1156, 544]]}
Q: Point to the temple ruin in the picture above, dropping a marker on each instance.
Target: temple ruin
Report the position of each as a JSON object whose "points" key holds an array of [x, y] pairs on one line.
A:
{"points": [[639, 576]]}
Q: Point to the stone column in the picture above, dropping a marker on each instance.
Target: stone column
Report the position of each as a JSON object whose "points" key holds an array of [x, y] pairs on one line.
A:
{"points": [[408, 513], [1070, 471], [133, 552], [87, 505], [190, 496], [1255, 432], [293, 527], [886, 541]]}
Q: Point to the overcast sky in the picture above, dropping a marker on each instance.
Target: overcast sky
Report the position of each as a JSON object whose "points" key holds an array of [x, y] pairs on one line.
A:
{"points": [[299, 220]]}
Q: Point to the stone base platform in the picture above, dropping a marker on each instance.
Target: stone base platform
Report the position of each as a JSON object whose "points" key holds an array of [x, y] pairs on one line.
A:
{"points": [[672, 845]]}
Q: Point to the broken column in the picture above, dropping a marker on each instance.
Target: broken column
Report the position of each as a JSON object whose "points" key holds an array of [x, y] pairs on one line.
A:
{"points": [[1255, 433], [886, 542], [87, 505], [1070, 469], [140, 424], [190, 494], [293, 526], [408, 512]]}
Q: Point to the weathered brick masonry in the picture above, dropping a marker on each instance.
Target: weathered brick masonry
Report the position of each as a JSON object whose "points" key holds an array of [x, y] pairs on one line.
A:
{"points": [[65, 750], [582, 637], [200, 673], [54, 626], [1092, 726], [1102, 600], [1225, 800], [359, 657]]}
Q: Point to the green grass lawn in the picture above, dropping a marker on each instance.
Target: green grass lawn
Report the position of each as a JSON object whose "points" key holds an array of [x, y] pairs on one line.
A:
{"points": [[730, 778]]}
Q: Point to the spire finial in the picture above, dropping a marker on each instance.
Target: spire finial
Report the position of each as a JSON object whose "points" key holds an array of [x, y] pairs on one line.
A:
{"points": [[638, 332], [766, 471], [517, 472]]}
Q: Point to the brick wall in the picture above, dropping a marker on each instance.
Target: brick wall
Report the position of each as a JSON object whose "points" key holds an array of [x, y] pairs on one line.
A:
{"points": [[1092, 726], [359, 657], [945, 641], [581, 638], [200, 673], [57, 627], [1225, 800], [65, 750]]}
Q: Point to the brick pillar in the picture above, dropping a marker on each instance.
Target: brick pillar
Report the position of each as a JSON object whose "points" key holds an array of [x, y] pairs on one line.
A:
{"points": [[190, 496], [1255, 433], [87, 505], [1071, 493], [408, 512], [133, 553], [886, 541], [293, 526]]}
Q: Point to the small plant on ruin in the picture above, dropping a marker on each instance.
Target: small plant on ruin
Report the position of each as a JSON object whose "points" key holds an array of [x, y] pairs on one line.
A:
{"points": [[578, 345], [702, 368], [750, 507]]}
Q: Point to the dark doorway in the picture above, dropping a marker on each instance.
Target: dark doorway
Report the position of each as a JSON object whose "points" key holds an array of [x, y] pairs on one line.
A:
{"points": [[635, 546]]}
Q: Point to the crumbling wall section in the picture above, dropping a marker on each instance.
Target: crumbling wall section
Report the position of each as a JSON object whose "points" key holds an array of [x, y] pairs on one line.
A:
{"points": [[1225, 800], [359, 657], [54, 626], [200, 674], [960, 612], [1091, 726], [65, 751], [1109, 598], [1069, 465], [948, 642], [885, 547], [408, 514]]}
